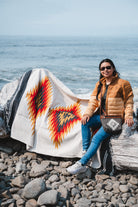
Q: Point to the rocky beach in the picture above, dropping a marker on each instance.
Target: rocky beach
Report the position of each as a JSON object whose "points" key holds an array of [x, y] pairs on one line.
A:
{"points": [[30, 179]]}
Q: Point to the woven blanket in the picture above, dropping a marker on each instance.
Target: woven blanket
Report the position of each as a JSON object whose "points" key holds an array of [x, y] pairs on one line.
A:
{"points": [[45, 115]]}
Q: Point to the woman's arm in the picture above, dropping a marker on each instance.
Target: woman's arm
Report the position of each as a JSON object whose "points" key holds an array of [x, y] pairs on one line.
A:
{"points": [[128, 103]]}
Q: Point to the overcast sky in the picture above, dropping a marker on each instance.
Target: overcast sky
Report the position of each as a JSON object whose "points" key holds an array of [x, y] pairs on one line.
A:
{"points": [[69, 17]]}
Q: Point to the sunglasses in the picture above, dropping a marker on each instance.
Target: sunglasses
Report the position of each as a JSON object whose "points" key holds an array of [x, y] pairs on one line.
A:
{"points": [[107, 67]]}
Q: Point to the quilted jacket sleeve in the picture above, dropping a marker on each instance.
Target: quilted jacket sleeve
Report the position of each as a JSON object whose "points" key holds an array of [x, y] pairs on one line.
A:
{"points": [[93, 102], [128, 100]]}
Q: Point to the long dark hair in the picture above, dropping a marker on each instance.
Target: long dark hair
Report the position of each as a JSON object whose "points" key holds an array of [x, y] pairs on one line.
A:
{"points": [[114, 73]]}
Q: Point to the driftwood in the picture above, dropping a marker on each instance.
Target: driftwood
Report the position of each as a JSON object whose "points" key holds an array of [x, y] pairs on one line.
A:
{"points": [[124, 149]]}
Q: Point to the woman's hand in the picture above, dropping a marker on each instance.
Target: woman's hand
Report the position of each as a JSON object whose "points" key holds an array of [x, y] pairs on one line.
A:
{"points": [[129, 122], [85, 119]]}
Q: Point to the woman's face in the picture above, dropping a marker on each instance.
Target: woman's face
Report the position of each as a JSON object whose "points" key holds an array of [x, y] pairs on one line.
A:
{"points": [[106, 70]]}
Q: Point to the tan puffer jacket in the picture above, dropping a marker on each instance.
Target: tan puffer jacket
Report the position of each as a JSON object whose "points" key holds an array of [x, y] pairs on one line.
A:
{"points": [[119, 98]]}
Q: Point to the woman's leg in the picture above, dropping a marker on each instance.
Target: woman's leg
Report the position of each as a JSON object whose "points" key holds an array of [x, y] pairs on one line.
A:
{"points": [[94, 122], [95, 143]]}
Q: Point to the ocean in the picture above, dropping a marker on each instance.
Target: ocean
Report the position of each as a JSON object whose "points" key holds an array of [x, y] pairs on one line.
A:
{"points": [[73, 60]]}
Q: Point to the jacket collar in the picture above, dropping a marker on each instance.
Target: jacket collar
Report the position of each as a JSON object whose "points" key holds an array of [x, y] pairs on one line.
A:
{"points": [[103, 80]]}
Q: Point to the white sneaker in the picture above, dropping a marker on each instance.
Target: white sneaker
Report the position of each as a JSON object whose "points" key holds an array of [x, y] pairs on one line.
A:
{"points": [[76, 168]]}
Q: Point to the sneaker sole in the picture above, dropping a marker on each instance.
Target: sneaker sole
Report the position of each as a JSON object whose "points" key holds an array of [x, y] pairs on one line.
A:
{"points": [[77, 172]]}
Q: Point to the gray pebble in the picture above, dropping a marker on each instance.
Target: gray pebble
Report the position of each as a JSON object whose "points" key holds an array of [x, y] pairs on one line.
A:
{"points": [[48, 198], [123, 188], [34, 188], [28, 180]]}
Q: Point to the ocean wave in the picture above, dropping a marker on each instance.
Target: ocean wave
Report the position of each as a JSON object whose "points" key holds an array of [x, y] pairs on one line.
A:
{"points": [[4, 80]]}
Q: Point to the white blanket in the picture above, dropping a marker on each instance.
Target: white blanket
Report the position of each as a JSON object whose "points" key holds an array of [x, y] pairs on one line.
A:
{"points": [[48, 117]]}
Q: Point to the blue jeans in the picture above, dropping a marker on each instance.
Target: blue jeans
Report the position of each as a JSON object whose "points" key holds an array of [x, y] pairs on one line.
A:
{"points": [[91, 148]]}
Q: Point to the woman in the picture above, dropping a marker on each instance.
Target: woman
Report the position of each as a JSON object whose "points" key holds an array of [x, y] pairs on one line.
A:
{"points": [[116, 98]]}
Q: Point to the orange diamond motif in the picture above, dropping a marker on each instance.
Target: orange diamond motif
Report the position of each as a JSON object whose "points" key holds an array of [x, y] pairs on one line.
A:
{"points": [[39, 99], [61, 120]]}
